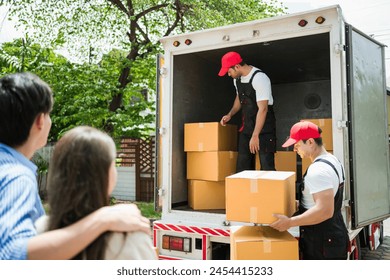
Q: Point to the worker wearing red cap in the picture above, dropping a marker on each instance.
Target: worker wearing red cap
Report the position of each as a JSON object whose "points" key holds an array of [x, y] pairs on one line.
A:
{"points": [[254, 99], [323, 234]]}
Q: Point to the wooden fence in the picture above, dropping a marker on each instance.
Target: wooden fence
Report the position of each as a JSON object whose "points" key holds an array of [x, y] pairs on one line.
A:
{"points": [[139, 153]]}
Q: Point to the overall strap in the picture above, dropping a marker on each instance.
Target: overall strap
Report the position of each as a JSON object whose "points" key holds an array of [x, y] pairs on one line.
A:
{"points": [[339, 193], [257, 71], [334, 168]]}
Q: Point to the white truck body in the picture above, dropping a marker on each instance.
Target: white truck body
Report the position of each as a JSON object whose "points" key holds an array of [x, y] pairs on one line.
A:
{"points": [[328, 70]]}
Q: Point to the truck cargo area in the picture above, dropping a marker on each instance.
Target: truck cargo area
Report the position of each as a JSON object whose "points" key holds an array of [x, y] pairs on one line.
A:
{"points": [[299, 69]]}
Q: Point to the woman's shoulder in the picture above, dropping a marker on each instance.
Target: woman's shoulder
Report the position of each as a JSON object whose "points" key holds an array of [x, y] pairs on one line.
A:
{"points": [[130, 246]]}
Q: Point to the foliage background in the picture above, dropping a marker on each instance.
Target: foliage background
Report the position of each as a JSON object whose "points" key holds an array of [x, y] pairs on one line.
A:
{"points": [[108, 77]]}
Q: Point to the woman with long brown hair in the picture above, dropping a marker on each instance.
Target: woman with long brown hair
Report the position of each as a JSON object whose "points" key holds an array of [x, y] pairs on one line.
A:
{"points": [[81, 177]]}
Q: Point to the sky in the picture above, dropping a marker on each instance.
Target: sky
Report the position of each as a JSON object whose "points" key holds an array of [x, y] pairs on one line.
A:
{"points": [[7, 30], [368, 16]]}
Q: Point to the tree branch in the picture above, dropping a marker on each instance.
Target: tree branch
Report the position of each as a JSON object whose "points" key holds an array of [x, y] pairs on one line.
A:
{"points": [[130, 7], [120, 6], [151, 9], [144, 34], [180, 10]]}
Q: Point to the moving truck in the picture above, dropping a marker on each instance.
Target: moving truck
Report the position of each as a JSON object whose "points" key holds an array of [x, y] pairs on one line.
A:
{"points": [[321, 68]]}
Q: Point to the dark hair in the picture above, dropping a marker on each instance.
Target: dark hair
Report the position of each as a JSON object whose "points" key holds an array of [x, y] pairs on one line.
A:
{"points": [[78, 181], [23, 96], [318, 141], [242, 63]]}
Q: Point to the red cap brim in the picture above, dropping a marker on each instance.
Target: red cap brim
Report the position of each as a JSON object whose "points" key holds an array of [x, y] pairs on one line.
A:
{"points": [[289, 142], [223, 71]]}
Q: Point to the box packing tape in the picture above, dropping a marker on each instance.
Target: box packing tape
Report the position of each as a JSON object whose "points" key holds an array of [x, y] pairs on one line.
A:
{"points": [[253, 215], [201, 125], [253, 186], [267, 243], [267, 246], [200, 146], [253, 210]]}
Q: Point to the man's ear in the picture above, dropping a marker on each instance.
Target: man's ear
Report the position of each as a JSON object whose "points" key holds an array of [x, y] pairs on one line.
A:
{"points": [[39, 120]]}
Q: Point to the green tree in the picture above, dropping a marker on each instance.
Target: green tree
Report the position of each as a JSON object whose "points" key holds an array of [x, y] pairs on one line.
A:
{"points": [[88, 28], [22, 55], [82, 92]]}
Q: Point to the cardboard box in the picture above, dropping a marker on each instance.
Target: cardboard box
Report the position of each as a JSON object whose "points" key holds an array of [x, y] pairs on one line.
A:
{"points": [[211, 166], [327, 132], [206, 194], [212, 136], [306, 162], [284, 161], [262, 243], [254, 196]]}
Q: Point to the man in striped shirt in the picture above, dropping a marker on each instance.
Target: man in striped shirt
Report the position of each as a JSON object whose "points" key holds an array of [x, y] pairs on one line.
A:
{"points": [[25, 105]]}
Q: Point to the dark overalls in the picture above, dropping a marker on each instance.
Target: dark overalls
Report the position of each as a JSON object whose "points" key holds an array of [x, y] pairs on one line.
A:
{"points": [[329, 239], [267, 137]]}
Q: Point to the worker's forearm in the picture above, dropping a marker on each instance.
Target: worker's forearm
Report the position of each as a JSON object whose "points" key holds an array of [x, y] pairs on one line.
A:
{"points": [[260, 120], [235, 108], [312, 216]]}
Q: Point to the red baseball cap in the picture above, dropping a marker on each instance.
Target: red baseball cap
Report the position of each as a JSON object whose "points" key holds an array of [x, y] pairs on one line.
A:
{"points": [[228, 60], [302, 130]]}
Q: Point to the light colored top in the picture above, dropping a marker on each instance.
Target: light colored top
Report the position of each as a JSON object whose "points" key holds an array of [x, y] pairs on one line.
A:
{"points": [[120, 246], [261, 83], [321, 176], [20, 205]]}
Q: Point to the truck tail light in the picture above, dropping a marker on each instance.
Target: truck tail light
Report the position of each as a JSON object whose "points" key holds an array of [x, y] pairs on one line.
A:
{"points": [[188, 42], [302, 22], [176, 43], [176, 243], [320, 20]]}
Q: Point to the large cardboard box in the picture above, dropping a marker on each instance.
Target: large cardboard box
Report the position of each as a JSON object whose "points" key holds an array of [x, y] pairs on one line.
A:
{"points": [[254, 196], [206, 194], [212, 136], [284, 161], [327, 132], [210, 166], [262, 243]]}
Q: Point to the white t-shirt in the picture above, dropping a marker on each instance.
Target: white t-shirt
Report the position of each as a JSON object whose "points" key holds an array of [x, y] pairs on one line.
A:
{"points": [[321, 176], [261, 83]]}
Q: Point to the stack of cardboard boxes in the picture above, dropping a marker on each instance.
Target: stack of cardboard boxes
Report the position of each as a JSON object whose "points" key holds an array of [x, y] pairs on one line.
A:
{"points": [[253, 197], [211, 156]]}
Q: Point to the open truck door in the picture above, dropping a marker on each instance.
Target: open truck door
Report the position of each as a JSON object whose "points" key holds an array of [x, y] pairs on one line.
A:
{"points": [[368, 139], [157, 170]]}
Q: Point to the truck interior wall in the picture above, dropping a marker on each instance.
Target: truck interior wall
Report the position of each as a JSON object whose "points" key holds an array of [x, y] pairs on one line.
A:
{"points": [[299, 69], [296, 101], [198, 96]]}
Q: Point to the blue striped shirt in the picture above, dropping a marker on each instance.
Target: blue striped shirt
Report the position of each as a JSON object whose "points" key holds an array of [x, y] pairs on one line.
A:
{"points": [[20, 205]]}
